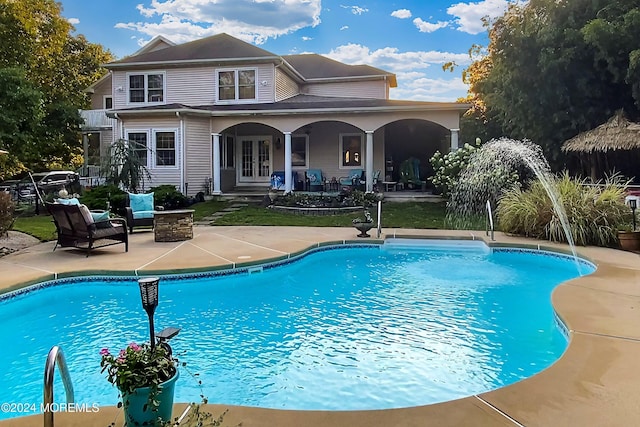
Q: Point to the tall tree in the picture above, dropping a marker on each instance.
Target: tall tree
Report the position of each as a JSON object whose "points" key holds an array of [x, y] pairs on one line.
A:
{"points": [[547, 79], [60, 65]]}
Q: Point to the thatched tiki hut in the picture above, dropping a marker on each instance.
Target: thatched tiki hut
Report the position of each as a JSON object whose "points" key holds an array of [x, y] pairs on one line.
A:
{"points": [[612, 146]]}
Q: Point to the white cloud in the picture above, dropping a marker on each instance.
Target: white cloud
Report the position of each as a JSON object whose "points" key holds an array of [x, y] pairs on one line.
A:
{"points": [[73, 21], [401, 13], [429, 89], [344, 27], [391, 59], [306, 39], [356, 10], [428, 27], [468, 16], [250, 20]]}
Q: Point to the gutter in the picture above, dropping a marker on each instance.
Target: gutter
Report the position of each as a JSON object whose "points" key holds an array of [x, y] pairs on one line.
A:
{"points": [[289, 111], [191, 62]]}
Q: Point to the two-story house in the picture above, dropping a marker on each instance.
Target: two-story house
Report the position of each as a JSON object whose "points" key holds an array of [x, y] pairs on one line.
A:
{"points": [[223, 113]]}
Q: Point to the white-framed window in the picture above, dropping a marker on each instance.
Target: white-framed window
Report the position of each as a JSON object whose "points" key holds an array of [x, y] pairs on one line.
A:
{"points": [[236, 84], [351, 152], [146, 88], [227, 152], [165, 148], [156, 148], [107, 102], [139, 142], [300, 150]]}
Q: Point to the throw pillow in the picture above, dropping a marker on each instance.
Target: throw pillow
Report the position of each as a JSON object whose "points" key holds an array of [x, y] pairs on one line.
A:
{"points": [[141, 202], [101, 219], [71, 201], [86, 214]]}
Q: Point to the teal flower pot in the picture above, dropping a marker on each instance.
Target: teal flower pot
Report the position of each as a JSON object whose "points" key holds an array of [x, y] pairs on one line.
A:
{"points": [[134, 405]]}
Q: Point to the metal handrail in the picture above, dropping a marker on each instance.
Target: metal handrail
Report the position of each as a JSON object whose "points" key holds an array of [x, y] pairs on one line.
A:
{"points": [[379, 218], [55, 356], [488, 224]]}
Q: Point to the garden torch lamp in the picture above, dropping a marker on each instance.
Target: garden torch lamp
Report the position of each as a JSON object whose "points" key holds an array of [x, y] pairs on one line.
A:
{"points": [[149, 295], [633, 204]]}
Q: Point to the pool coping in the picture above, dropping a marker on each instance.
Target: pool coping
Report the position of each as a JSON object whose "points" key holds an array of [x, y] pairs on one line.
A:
{"points": [[589, 385]]}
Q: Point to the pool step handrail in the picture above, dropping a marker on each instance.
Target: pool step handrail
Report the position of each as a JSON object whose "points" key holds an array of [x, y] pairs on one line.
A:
{"points": [[488, 224], [56, 356], [379, 218]]}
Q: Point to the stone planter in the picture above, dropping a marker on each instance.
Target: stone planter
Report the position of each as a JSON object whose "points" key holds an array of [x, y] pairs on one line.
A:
{"points": [[363, 227]]}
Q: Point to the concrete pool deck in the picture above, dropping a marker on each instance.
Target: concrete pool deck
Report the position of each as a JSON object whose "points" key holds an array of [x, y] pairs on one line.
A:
{"points": [[595, 383]]}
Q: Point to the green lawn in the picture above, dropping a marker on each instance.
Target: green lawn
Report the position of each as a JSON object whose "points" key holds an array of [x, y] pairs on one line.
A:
{"points": [[397, 215]]}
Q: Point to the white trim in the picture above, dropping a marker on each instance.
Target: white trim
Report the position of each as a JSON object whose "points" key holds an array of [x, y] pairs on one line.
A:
{"points": [[360, 154], [127, 132], [146, 75], [104, 102], [237, 99], [154, 149]]}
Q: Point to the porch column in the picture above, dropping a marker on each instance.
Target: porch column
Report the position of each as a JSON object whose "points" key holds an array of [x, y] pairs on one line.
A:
{"points": [[287, 162], [216, 163], [454, 139], [85, 150], [369, 161]]}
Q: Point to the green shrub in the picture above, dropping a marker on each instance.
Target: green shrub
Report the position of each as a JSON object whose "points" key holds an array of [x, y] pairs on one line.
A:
{"points": [[105, 196], [447, 167], [594, 213], [6, 212], [168, 197]]}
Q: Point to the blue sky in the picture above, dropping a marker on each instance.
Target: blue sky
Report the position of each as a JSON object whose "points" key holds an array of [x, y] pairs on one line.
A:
{"points": [[411, 38]]}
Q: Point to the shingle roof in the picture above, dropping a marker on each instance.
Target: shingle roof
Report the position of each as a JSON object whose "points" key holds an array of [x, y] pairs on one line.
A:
{"points": [[218, 47], [314, 66], [223, 47], [305, 102]]}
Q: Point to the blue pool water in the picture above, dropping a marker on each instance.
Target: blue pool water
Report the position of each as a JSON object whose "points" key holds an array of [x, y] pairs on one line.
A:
{"points": [[345, 328]]}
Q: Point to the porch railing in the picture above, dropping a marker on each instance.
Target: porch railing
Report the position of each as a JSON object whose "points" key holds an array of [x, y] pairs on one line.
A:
{"points": [[96, 119]]}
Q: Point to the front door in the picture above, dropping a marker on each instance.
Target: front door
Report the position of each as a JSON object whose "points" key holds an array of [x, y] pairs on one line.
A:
{"points": [[255, 159]]}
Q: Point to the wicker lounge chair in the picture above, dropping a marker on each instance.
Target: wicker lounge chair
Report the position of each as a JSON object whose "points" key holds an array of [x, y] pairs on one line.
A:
{"points": [[76, 229], [139, 210]]}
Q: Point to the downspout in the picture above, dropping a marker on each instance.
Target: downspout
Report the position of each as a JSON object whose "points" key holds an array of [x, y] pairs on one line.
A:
{"points": [[182, 154]]}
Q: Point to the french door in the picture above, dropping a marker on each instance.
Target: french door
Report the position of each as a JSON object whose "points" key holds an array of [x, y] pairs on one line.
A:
{"points": [[255, 159]]}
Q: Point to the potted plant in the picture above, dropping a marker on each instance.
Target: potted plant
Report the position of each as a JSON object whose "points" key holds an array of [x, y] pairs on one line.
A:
{"points": [[363, 224], [145, 377], [629, 239]]}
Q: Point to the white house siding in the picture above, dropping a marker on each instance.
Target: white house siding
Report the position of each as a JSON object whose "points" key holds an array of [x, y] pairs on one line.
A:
{"points": [[160, 175], [194, 85], [198, 153], [100, 91], [285, 86], [191, 86], [367, 89]]}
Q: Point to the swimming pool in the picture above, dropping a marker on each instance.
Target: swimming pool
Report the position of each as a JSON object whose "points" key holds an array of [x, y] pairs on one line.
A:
{"points": [[346, 328]]}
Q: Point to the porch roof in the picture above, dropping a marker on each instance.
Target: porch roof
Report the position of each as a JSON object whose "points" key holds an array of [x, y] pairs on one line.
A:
{"points": [[302, 104]]}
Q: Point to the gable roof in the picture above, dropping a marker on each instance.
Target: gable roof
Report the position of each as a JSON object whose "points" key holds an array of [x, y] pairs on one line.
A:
{"points": [[219, 48], [157, 43], [317, 67], [223, 48]]}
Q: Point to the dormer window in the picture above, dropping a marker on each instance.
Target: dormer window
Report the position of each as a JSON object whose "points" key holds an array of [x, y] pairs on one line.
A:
{"points": [[237, 85], [146, 88]]}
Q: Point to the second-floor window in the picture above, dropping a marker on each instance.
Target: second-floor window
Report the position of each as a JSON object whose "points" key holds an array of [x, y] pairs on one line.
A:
{"points": [[146, 88], [236, 85]]}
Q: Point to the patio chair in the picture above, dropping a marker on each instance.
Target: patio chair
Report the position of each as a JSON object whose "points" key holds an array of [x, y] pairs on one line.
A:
{"points": [[354, 180], [139, 210], [313, 180], [76, 228]]}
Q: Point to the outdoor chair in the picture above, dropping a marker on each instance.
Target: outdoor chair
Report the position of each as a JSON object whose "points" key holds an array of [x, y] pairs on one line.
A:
{"points": [[313, 180], [354, 180], [139, 210], [76, 228]]}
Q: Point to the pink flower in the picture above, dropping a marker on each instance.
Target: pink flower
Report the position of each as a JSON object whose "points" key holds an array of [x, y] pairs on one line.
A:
{"points": [[135, 347], [104, 352], [122, 353]]}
